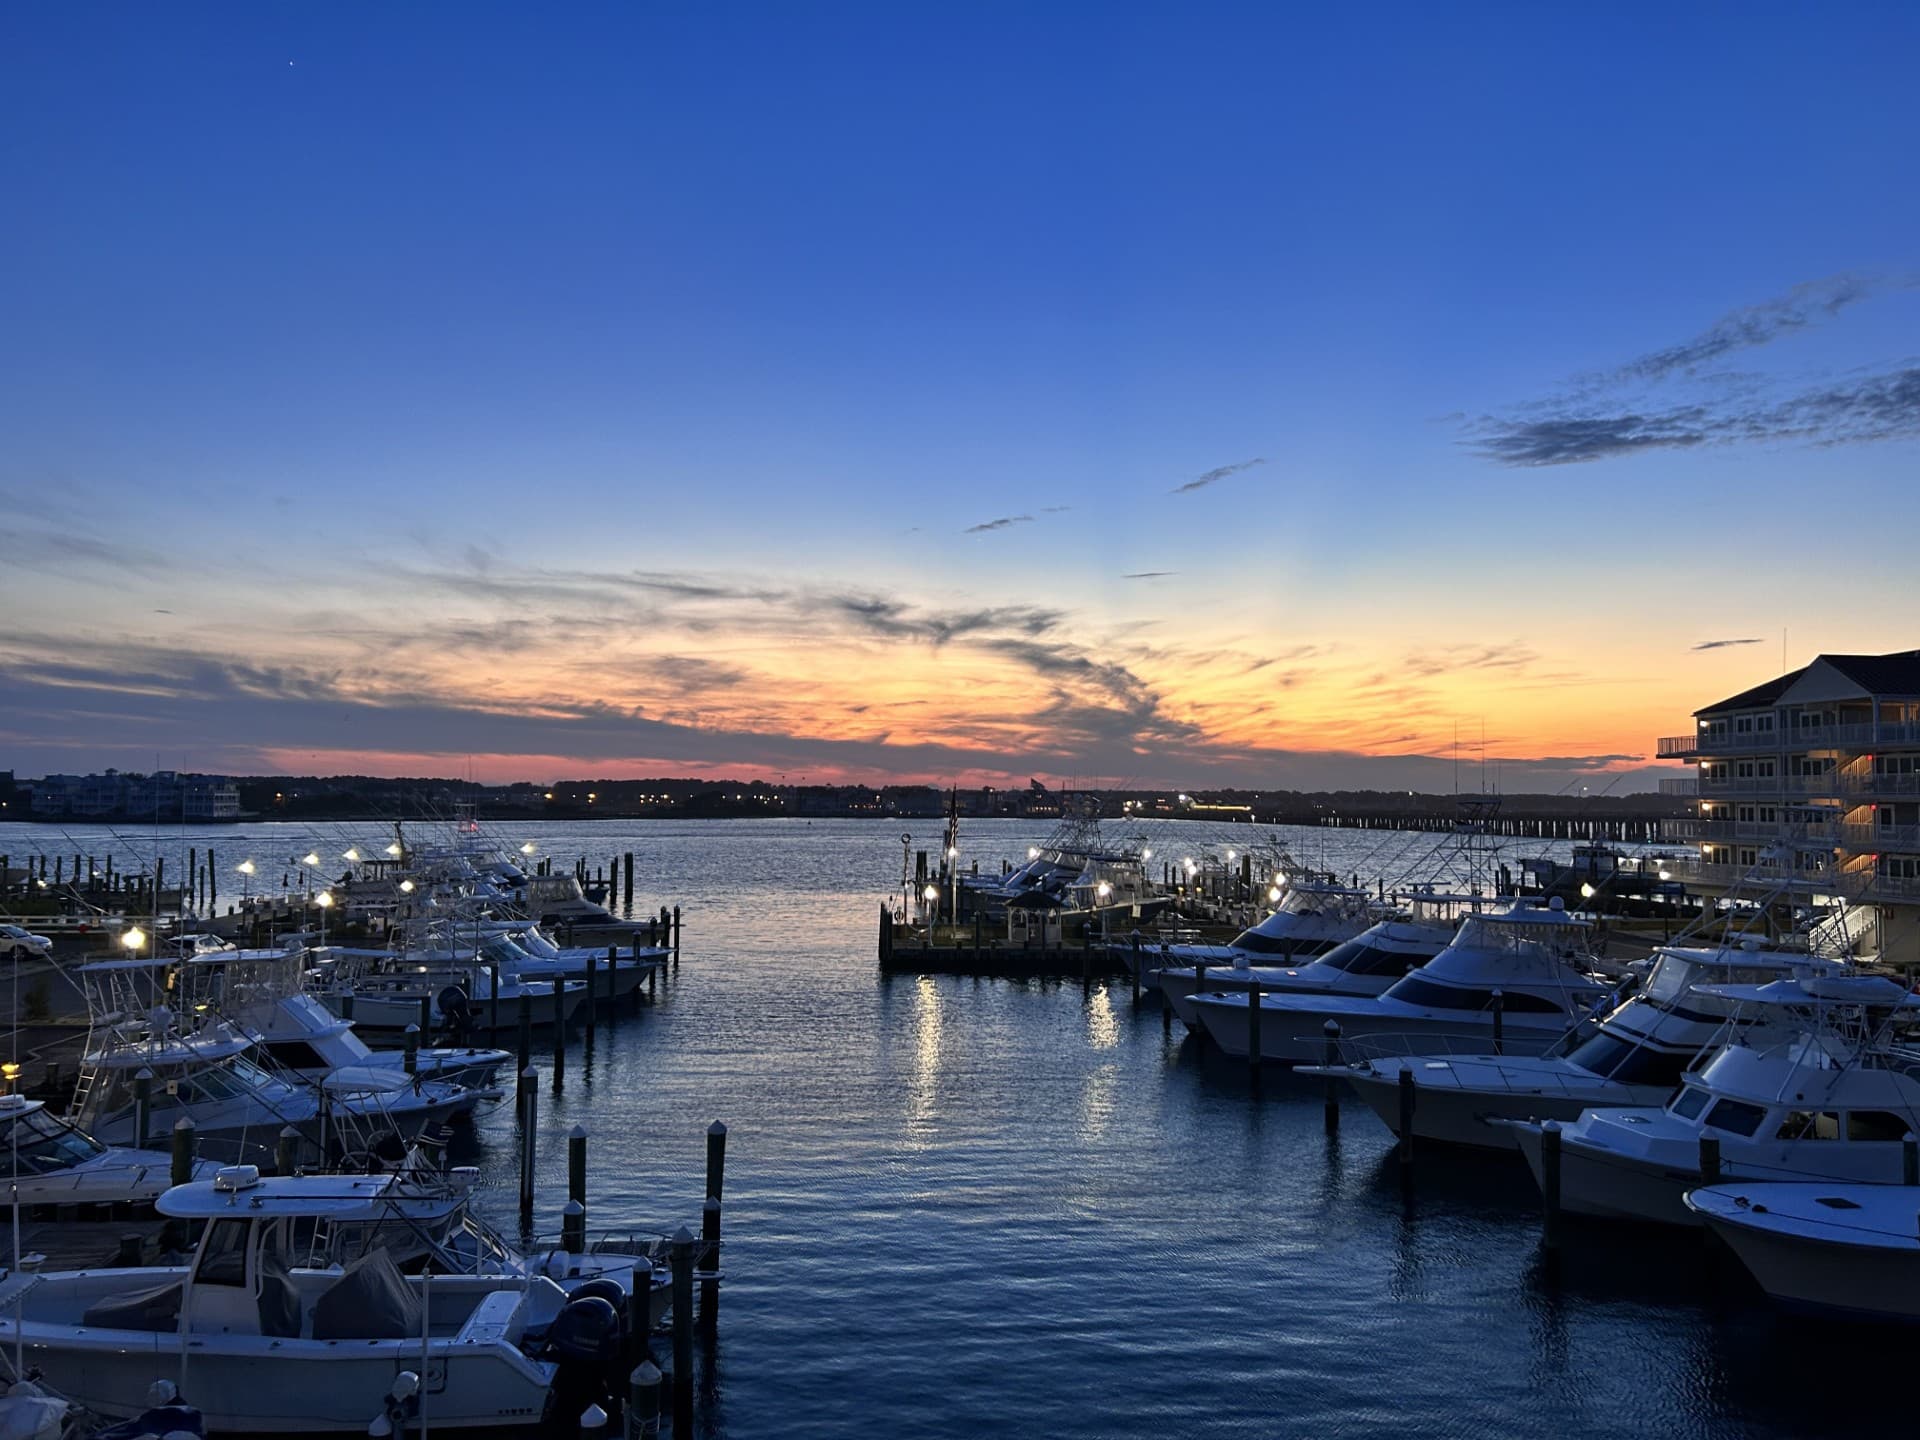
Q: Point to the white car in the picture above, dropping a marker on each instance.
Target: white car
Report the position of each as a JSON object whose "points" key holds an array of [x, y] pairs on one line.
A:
{"points": [[20, 944]]}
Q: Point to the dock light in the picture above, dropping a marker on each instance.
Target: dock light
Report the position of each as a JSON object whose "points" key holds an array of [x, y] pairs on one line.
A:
{"points": [[133, 937], [395, 850], [1273, 895], [953, 852], [1146, 854], [1666, 874], [9, 1073], [930, 894], [351, 853], [1189, 864], [528, 848], [324, 899], [406, 887], [246, 867], [592, 795], [1033, 852], [1586, 891], [1103, 889], [310, 859], [1232, 855]]}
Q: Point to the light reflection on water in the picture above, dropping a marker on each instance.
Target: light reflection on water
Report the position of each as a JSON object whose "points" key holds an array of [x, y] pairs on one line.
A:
{"points": [[960, 1207]]}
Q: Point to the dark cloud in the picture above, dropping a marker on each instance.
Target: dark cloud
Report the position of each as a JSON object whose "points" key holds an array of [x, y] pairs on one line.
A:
{"points": [[1148, 574], [1722, 644], [883, 615], [1858, 409], [1213, 477], [1754, 325], [1005, 522], [693, 672]]}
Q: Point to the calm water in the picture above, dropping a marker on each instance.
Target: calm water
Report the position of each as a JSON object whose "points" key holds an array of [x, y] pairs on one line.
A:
{"points": [[958, 1207]]}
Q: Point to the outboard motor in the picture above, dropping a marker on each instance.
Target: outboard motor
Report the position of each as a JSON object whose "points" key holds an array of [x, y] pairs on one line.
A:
{"points": [[584, 1344], [456, 1012]]}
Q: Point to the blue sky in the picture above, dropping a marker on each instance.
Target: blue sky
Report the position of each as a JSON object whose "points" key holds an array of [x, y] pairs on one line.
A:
{"points": [[316, 313]]}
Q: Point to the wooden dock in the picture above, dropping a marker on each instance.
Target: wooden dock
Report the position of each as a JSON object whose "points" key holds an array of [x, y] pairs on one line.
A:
{"points": [[904, 951]]}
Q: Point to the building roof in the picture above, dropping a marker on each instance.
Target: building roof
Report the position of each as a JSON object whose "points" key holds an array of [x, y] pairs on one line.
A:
{"points": [[1895, 673]]}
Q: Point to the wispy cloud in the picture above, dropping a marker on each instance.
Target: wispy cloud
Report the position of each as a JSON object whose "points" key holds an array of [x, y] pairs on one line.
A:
{"points": [[1148, 574], [1669, 399], [1214, 476], [1722, 644], [1005, 522]]}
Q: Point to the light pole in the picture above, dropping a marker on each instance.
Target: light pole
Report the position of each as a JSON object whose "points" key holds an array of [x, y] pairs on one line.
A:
{"points": [[312, 861], [325, 901], [953, 884], [132, 939], [246, 869], [1101, 893], [932, 896]]}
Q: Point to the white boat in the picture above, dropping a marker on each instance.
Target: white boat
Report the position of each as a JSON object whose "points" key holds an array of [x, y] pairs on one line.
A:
{"points": [[1832, 1249], [293, 1316], [1313, 916], [1368, 964], [378, 990], [51, 1162], [1520, 970], [1633, 1054], [259, 991], [1831, 1103]]}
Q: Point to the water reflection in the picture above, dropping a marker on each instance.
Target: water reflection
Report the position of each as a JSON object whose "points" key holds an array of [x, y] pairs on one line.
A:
{"points": [[1103, 1027], [922, 1090]]}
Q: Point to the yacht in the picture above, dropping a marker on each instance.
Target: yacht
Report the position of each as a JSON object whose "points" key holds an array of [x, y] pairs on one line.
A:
{"points": [[259, 990], [308, 1295], [379, 990], [1820, 1246], [1522, 971], [1633, 1054], [1832, 1102], [1313, 916], [1368, 964], [53, 1163]]}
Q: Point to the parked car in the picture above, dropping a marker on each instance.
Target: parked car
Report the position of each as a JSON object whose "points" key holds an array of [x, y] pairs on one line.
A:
{"points": [[17, 943]]}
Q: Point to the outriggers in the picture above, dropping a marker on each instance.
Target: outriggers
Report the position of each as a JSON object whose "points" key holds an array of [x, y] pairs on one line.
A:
{"points": [[1831, 1100]]}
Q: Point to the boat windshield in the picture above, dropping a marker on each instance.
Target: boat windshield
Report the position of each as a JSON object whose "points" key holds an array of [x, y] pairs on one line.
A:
{"points": [[1628, 1061], [44, 1144], [1357, 957]]}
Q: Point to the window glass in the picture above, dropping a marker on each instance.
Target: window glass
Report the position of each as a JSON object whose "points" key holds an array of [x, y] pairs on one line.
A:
{"points": [[1810, 1125], [1877, 1125], [1689, 1102], [1736, 1117], [223, 1257]]}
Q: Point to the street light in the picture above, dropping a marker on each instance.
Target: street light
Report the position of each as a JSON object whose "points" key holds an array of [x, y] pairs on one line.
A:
{"points": [[311, 860], [246, 869], [932, 896], [351, 854], [325, 901], [1273, 895], [394, 850], [406, 887], [133, 937]]}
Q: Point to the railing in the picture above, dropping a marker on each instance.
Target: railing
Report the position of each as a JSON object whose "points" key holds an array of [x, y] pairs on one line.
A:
{"points": [[1705, 872], [1764, 830], [1690, 785], [1865, 782], [1880, 837], [1863, 736], [1674, 747]]}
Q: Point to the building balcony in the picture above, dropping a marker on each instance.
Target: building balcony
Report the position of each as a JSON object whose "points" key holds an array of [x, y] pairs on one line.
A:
{"points": [[1859, 738], [1687, 785], [1753, 880], [1762, 831], [1904, 839]]}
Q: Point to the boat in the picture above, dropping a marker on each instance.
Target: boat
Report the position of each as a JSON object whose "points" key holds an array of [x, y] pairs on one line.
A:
{"points": [[1822, 1247], [1831, 1102], [1634, 1053], [53, 1162], [1520, 973], [1314, 915], [260, 991], [294, 1317], [1368, 964]]}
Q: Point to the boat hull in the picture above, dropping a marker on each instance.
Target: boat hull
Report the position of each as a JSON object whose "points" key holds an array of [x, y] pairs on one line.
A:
{"points": [[1608, 1185], [1460, 1117], [1868, 1282]]}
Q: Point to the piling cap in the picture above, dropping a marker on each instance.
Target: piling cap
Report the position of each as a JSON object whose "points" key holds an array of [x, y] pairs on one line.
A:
{"points": [[592, 1418], [713, 1203], [183, 1123], [718, 1127], [1332, 1027], [646, 1374], [287, 1132], [579, 1132], [573, 1207], [683, 1236], [529, 1073]]}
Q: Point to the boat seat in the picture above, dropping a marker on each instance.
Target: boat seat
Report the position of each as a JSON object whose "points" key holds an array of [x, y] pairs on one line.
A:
{"points": [[492, 1319], [154, 1309]]}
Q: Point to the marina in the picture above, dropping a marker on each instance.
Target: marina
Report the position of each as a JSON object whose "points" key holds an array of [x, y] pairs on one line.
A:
{"points": [[869, 1109]]}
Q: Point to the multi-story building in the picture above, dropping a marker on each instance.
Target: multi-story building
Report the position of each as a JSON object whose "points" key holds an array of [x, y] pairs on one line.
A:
{"points": [[163, 795], [1809, 785]]}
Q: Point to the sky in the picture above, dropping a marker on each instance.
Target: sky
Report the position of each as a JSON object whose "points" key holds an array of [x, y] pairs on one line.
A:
{"points": [[1186, 395]]}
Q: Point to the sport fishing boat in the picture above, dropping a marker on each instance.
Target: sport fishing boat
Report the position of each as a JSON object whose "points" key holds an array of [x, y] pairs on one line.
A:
{"points": [[1313, 916], [1633, 1054], [142, 1071], [260, 992], [51, 1162], [1832, 1249], [1368, 964], [379, 990], [308, 1295], [1830, 1103], [1521, 972]]}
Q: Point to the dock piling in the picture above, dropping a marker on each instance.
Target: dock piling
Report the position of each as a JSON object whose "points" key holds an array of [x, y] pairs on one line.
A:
{"points": [[410, 1061], [1909, 1160], [1550, 1182], [681, 1252], [286, 1151], [142, 1106], [1406, 1122], [526, 1031], [1332, 1031], [573, 1228], [183, 1142], [1253, 1029], [716, 1159], [577, 1166], [529, 1133], [1709, 1159], [643, 1401], [710, 1262], [593, 992], [559, 1034], [1499, 1026]]}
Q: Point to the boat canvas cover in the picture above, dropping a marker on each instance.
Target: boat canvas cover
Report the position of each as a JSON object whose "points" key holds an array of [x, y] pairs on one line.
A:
{"points": [[370, 1302], [154, 1309]]}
